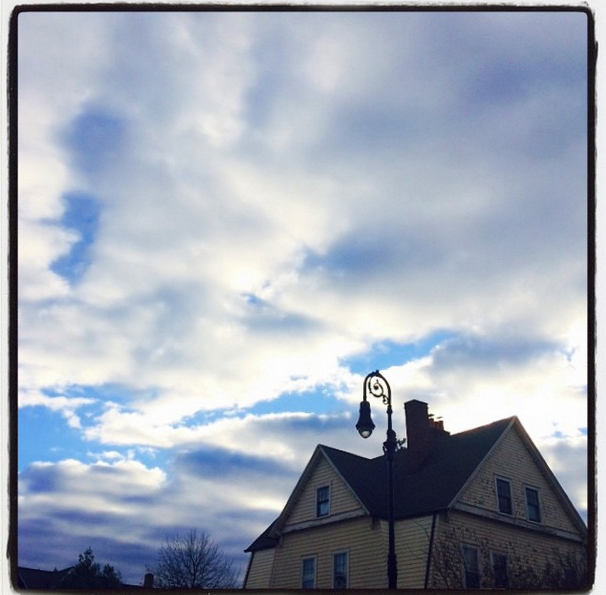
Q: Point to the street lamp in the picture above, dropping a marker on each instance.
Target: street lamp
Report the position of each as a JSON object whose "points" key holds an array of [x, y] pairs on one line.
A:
{"points": [[376, 385]]}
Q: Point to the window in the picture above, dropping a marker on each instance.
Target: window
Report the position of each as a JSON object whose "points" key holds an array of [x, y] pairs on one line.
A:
{"points": [[339, 570], [323, 501], [308, 573], [504, 496], [533, 508], [499, 570], [471, 567]]}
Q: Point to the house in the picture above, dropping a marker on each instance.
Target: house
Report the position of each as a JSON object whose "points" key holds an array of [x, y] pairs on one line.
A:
{"points": [[38, 580], [476, 509], [41, 580]]}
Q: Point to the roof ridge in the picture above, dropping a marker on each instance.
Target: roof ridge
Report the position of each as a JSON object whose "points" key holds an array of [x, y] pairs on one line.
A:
{"points": [[504, 421], [345, 452]]}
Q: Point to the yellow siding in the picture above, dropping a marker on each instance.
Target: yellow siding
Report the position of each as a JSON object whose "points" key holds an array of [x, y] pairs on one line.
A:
{"points": [[524, 548], [511, 460], [362, 539], [341, 498], [412, 545], [366, 542], [259, 573]]}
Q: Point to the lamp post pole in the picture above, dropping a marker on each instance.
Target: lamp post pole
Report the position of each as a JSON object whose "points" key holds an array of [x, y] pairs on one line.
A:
{"points": [[376, 385]]}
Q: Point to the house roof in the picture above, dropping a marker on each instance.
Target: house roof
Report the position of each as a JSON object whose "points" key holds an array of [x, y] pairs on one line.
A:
{"points": [[34, 578], [264, 541], [452, 464], [435, 486]]}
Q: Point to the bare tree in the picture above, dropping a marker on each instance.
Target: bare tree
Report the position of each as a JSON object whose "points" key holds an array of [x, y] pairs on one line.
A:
{"points": [[194, 562]]}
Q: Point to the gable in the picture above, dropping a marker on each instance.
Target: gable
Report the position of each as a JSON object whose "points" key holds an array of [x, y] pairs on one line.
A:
{"points": [[445, 472], [342, 501], [516, 459]]}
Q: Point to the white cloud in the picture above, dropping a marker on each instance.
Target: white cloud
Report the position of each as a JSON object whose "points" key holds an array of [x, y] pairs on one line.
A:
{"points": [[45, 243], [496, 377], [66, 406], [99, 503], [568, 459], [211, 222]]}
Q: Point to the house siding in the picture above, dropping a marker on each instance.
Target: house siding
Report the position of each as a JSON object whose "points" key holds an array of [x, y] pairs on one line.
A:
{"points": [[524, 549], [366, 542], [260, 569], [512, 460], [361, 538], [412, 547], [342, 499]]}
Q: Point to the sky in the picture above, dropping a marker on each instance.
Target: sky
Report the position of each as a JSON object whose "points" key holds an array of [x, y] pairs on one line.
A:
{"points": [[227, 219]]}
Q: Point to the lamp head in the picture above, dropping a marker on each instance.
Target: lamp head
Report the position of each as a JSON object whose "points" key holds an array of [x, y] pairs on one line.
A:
{"points": [[365, 426]]}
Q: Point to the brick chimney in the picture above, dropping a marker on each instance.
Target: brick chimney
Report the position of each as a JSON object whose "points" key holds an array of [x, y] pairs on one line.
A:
{"points": [[148, 581], [421, 432]]}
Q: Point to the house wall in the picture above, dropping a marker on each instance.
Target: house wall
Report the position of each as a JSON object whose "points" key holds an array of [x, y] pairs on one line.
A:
{"points": [[341, 498], [260, 569], [347, 528], [512, 460], [361, 537], [524, 548], [412, 546]]}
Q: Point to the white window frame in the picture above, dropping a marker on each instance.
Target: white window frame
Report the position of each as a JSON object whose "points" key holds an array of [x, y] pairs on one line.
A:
{"points": [[539, 504], [334, 555], [323, 487], [496, 489], [314, 558], [476, 549]]}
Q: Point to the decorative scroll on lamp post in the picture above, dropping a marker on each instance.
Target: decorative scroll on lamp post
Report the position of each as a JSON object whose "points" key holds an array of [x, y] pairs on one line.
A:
{"points": [[376, 385]]}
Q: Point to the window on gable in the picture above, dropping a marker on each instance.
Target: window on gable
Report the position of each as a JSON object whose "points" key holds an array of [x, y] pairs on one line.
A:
{"points": [[471, 567], [339, 570], [308, 573], [322, 501], [533, 506], [499, 569], [504, 496]]}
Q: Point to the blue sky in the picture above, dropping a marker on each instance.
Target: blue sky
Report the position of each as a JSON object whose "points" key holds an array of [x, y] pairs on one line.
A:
{"points": [[226, 220]]}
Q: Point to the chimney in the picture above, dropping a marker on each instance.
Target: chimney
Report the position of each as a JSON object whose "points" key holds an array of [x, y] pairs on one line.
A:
{"points": [[148, 581], [421, 431]]}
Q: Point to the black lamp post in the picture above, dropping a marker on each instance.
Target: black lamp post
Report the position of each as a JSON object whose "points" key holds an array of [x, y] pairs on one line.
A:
{"points": [[376, 385]]}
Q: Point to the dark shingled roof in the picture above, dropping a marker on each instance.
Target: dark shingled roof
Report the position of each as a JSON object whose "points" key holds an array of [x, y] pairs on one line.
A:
{"points": [[264, 541], [434, 487], [38, 580], [34, 578]]}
